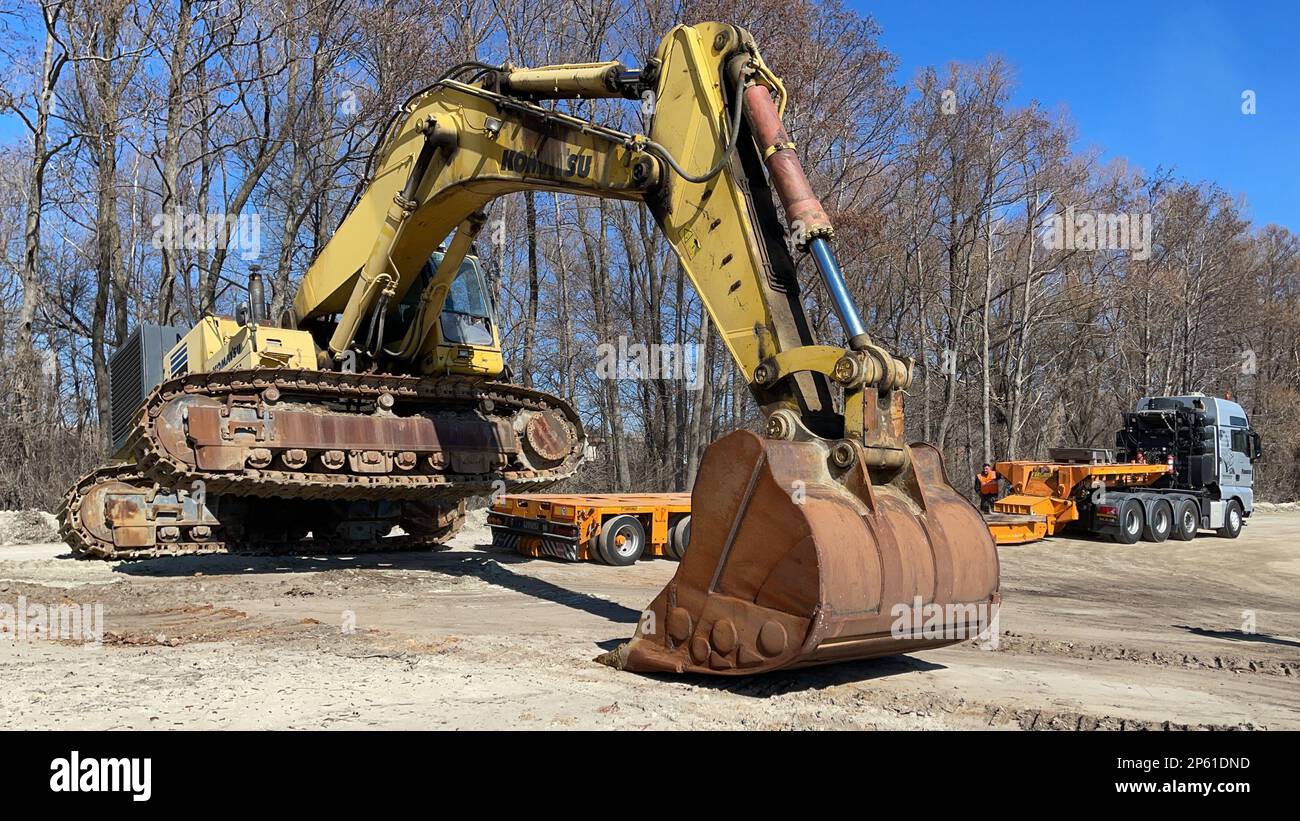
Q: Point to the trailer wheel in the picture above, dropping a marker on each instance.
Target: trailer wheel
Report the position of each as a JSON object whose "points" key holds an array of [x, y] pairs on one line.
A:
{"points": [[679, 535], [1161, 522], [1130, 522], [596, 551], [622, 540], [1187, 521], [1231, 521]]}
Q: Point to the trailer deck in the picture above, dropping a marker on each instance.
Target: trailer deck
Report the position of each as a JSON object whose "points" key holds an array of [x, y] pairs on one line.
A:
{"points": [[612, 528], [1045, 495]]}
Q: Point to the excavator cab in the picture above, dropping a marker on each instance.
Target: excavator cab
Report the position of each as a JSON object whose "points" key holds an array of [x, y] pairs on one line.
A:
{"points": [[466, 338]]}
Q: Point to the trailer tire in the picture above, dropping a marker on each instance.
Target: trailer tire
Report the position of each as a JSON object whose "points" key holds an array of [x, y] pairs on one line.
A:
{"points": [[1159, 523], [1187, 521], [1131, 522], [679, 536], [1231, 521], [595, 551], [621, 541]]}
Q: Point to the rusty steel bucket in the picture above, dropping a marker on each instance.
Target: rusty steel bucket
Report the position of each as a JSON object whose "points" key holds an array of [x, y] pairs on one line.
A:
{"points": [[793, 562]]}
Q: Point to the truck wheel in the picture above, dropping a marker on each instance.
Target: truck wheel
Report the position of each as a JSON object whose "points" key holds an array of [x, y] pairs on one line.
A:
{"points": [[1161, 522], [1130, 522], [679, 535], [1231, 521], [1187, 521], [622, 540]]}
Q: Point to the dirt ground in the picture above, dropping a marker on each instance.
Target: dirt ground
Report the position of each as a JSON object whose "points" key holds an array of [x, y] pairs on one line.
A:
{"points": [[1094, 634]]}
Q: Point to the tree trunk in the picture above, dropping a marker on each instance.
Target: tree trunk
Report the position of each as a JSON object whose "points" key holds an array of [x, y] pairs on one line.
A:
{"points": [[171, 157], [530, 324]]}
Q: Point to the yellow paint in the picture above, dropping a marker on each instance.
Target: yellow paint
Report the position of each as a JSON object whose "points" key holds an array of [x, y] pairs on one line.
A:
{"points": [[502, 145], [219, 343]]}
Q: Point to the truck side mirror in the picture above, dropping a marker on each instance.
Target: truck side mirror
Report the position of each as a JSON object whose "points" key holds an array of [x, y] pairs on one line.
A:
{"points": [[1256, 448]]}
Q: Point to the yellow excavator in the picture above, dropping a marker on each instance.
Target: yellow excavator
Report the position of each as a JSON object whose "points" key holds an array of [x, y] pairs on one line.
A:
{"points": [[377, 399]]}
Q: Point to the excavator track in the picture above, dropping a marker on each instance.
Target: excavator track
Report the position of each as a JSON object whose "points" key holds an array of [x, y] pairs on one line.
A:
{"points": [[303, 434], [118, 512]]}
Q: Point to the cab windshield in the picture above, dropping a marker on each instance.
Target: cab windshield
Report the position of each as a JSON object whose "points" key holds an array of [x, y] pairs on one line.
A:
{"points": [[467, 311]]}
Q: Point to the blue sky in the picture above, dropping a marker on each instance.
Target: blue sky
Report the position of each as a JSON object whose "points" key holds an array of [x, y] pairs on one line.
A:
{"points": [[1156, 82]]}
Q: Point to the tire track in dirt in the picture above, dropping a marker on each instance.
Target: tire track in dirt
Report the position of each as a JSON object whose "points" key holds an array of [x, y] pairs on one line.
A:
{"points": [[1018, 644], [194, 624], [922, 705]]}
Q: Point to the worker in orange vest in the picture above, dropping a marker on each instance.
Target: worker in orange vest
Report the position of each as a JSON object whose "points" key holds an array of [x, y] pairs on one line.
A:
{"points": [[988, 479]]}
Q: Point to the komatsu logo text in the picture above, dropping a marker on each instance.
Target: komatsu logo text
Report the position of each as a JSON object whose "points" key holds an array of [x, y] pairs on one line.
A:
{"points": [[576, 165]]}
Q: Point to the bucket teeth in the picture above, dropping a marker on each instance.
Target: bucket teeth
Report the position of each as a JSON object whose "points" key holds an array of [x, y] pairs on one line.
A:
{"points": [[790, 565]]}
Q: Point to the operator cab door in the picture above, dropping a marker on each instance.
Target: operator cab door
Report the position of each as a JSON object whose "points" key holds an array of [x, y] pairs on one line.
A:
{"points": [[467, 313], [467, 316]]}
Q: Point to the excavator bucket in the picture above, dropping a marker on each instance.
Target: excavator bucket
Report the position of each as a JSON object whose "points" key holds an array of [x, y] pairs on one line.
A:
{"points": [[794, 562]]}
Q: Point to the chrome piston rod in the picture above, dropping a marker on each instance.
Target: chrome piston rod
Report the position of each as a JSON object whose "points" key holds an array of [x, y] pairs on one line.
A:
{"points": [[833, 277]]}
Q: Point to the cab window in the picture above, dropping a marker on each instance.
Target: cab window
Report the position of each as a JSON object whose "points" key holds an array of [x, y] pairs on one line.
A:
{"points": [[466, 314], [1241, 442]]}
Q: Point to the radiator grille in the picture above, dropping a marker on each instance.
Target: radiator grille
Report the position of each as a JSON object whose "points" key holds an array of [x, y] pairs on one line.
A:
{"points": [[134, 370]]}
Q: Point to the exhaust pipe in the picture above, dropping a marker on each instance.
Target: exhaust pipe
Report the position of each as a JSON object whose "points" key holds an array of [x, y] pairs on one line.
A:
{"points": [[256, 298]]}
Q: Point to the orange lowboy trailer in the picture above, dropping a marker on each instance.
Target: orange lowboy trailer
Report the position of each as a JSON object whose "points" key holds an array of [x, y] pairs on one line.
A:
{"points": [[1046, 496], [611, 528]]}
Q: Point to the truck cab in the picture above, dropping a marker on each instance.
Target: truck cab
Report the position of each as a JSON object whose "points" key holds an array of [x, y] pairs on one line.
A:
{"points": [[1208, 441]]}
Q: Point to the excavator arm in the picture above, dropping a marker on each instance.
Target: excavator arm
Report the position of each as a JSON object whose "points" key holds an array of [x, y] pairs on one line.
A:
{"points": [[806, 541]]}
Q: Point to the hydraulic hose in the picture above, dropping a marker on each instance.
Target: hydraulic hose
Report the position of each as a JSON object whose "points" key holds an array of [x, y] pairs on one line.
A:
{"points": [[737, 111]]}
